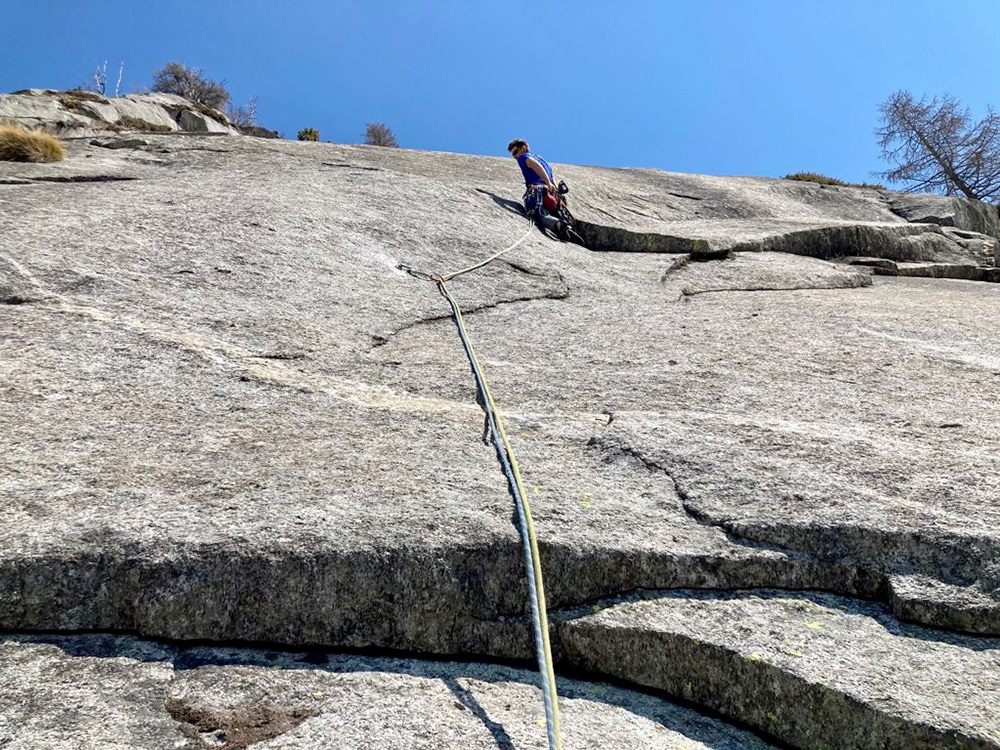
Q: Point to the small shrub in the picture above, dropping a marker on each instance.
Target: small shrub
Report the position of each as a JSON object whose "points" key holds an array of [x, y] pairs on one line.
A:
{"points": [[137, 123], [175, 78], [377, 134], [259, 132], [72, 99], [18, 144], [211, 112], [822, 179], [87, 96], [869, 185], [309, 134]]}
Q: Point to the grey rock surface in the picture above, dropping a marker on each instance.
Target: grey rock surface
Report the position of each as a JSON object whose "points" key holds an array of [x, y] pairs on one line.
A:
{"points": [[113, 692], [38, 109], [228, 413], [196, 122], [948, 211], [814, 670], [50, 700], [664, 212]]}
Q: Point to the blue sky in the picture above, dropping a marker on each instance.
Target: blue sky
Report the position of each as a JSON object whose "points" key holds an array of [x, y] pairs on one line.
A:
{"points": [[746, 87]]}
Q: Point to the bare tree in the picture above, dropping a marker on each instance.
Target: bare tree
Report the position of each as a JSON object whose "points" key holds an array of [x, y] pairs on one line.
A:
{"points": [[934, 146], [100, 84], [243, 117], [377, 134], [101, 78], [175, 78]]}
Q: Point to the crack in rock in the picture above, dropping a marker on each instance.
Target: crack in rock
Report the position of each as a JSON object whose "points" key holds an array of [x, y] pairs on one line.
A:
{"points": [[76, 178], [858, 581], [601, 238], [902, 242], [350, 166], [869, 562], [159, 695], [17, 285], [695, 292]]}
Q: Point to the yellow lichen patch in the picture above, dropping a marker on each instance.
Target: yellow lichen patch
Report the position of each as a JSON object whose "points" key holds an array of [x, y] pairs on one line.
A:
{"points": [[19, 144]]}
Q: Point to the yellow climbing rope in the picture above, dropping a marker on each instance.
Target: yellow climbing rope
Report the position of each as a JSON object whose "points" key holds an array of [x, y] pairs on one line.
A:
{"points": [[480, 264], [536, 588]]}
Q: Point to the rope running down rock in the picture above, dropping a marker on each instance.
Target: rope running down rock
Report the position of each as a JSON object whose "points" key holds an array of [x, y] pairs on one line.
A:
{"points": [[536, 588]]}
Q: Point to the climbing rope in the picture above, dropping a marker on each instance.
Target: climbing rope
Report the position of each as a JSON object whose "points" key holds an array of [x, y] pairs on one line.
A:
{"points": [[536, 588], [454, 274]]}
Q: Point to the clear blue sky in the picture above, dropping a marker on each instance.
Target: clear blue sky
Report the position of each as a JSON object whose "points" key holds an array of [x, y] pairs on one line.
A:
{"points": [[747, 87]]}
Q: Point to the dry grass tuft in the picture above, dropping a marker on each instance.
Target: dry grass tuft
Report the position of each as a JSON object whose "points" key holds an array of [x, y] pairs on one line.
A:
{"points": [[73, 100], [125, 122], [822, 179], [19, 144]]}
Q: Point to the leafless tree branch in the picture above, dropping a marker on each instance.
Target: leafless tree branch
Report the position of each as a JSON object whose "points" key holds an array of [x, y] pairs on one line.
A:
{"points": [[935, 146]]}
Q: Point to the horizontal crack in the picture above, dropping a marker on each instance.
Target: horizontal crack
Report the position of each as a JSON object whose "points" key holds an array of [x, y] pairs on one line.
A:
{"points": [[84, 178], [812, 288], [250, 716], [350, 166], [601, 238]]}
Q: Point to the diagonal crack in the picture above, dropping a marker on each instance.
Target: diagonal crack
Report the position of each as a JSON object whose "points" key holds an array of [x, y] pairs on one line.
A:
{"points": [[564, 293], [860, 581], [834, 559]]}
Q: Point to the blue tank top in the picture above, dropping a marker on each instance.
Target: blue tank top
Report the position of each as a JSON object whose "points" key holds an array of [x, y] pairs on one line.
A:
{"points": [[530, 176]]}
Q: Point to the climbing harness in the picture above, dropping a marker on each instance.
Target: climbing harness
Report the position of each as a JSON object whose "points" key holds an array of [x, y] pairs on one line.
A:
{"points": [[543, 649]]}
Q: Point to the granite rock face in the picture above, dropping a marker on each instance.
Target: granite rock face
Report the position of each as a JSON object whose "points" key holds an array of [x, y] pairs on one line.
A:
{"points": [[71, 113], [804, 667], [228, 413]]}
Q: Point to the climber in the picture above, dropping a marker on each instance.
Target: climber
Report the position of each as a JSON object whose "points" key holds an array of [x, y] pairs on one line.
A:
{"points": [[537, 182]]}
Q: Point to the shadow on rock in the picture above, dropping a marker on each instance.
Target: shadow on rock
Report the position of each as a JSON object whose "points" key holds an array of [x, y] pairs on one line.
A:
{"points": [[508, 205], [473, 685]]}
